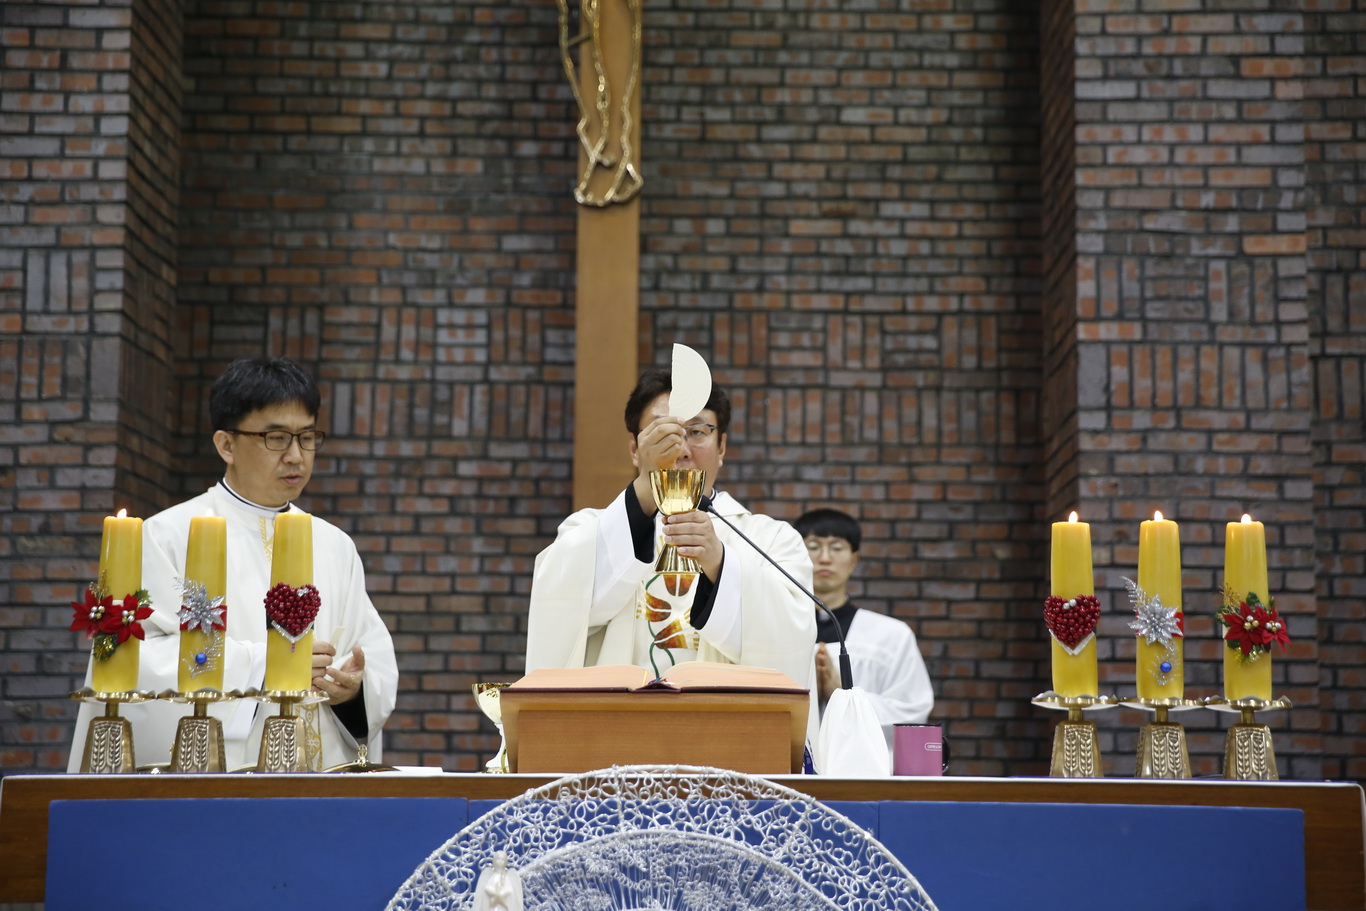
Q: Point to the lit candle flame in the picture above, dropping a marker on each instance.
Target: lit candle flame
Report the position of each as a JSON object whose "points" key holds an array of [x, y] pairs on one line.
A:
{"points": [[1157, 515], [1247, 519], [1072, 516], [123, 514]]}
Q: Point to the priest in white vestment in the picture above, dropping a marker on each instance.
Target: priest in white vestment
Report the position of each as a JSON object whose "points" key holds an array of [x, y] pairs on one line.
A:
{"points": [[264, 412], [883, 654], [596, 600]]}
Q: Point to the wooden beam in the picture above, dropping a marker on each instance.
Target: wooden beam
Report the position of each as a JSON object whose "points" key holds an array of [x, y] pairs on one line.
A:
{"points": [[608, 271]]}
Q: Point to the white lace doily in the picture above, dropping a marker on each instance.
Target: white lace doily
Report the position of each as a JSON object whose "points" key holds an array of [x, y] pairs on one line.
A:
{"points": [[668, 838]]}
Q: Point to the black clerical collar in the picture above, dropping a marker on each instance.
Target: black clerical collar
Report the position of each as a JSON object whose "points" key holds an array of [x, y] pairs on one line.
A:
{"points": [[825, 627], [267, 510]]}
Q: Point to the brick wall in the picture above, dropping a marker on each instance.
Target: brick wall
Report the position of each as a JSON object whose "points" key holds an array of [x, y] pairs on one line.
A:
{"points": [[86, 304], [845, 220], [1193, 369], [843, 211], [1335, 162], [1058, 251], [382, 195]]}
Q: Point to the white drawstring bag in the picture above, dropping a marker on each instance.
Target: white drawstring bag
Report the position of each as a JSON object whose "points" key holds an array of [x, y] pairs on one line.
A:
{"points": [[850, 743]]}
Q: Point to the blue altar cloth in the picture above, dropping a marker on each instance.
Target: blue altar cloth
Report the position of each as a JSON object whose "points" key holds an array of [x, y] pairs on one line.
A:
{"points": [[1046, 856], [281, 854], [277, 854]]}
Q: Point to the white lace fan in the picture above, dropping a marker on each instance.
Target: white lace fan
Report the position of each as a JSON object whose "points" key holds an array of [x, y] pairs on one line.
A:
{"points": [[668, 838]]}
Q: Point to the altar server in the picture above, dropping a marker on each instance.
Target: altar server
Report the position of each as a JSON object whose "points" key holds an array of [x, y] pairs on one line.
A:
{"points": [[265, 419], [883, 652], [596, 599]]}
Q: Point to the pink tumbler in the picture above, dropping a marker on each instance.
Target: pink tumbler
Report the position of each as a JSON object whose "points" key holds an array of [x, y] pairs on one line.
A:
{"points": [[919, 749]]}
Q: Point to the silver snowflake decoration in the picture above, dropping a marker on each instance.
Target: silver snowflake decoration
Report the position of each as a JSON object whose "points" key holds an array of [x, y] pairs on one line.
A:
{"points": [[1152, 621], [198, 610]]}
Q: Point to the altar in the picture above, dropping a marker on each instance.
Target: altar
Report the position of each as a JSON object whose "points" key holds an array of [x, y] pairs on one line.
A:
{"points": [[349, 840]]}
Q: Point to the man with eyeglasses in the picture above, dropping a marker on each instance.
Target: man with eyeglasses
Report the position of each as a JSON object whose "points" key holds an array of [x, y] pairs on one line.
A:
{"points": [[596, 600], [885, 658], [265, 418]]}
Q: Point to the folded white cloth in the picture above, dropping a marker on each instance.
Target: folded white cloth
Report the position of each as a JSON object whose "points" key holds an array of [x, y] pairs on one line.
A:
{"points": [[851, 743]]}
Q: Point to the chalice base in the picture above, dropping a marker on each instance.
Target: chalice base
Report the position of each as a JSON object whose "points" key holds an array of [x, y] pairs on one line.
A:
{"points": [[1162, 751], [1249, 754], [282, 745], [671, 562], [1076, 751], [498, 765], [198, 745], [108, 746]]}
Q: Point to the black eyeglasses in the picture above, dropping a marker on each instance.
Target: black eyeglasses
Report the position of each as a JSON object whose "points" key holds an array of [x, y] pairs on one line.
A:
{"points": [[281, 440], [699, 433]]}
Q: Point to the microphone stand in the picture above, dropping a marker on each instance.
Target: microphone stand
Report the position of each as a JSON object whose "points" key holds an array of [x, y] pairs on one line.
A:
{"points": [[846, 669]]}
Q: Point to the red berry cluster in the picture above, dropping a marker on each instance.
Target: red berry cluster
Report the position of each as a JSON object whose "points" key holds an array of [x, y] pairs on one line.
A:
{"points": [[292, 609], [1071, 620]]}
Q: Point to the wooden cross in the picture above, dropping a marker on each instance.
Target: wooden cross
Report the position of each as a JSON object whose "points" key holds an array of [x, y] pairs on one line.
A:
{"points": [[606, 79]]}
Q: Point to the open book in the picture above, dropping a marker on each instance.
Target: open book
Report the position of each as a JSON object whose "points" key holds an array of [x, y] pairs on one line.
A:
{"points": [[692, 676]]}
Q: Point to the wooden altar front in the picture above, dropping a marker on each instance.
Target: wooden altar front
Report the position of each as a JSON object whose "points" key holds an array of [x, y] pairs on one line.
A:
{"points": [[1334, 851]]}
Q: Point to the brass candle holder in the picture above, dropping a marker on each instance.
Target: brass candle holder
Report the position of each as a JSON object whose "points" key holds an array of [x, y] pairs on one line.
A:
{"points": [[1162, 751], [284, 740], [1076, 751], [677, 490], [199, 737], [486, 696], [1249, 754], [109, 739]]}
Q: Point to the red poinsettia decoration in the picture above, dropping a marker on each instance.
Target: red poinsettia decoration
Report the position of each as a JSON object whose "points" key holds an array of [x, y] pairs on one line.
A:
{"points": [[89, 616], [1253, 626], [111, 623]]}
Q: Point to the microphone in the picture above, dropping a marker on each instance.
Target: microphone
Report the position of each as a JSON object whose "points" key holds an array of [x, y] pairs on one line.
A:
{"points": [[846, 669]]}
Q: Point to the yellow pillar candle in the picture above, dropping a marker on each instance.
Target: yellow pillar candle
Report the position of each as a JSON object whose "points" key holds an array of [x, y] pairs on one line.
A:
{"points": [[289, 665], [206, 562], [1072, 575], [120, 576], [1159, 575], [1244, 574]]}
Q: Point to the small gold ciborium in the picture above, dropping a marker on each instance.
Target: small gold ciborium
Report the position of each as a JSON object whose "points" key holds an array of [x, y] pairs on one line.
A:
{"points": [[486, 697], [362, 763], [677, 490]]}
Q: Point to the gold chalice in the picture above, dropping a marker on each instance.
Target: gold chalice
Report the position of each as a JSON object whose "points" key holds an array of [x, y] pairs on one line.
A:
{"points": [[677, 490], [486, 697]]}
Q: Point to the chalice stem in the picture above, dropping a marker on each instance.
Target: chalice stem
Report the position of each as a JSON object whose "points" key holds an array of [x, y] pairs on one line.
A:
{"points": [[499, 763]]}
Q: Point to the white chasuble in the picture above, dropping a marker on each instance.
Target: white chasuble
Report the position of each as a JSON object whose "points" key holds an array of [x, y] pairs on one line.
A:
{"points": [[593, 603]]}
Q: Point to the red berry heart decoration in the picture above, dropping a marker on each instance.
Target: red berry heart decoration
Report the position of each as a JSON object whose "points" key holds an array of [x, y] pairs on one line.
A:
{"points": [[1071, 620], [292, 610]]}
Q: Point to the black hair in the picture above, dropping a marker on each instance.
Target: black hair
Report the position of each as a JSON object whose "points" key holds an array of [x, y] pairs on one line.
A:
{"points": [[252, 383], [657, 381], [830, 523]]}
